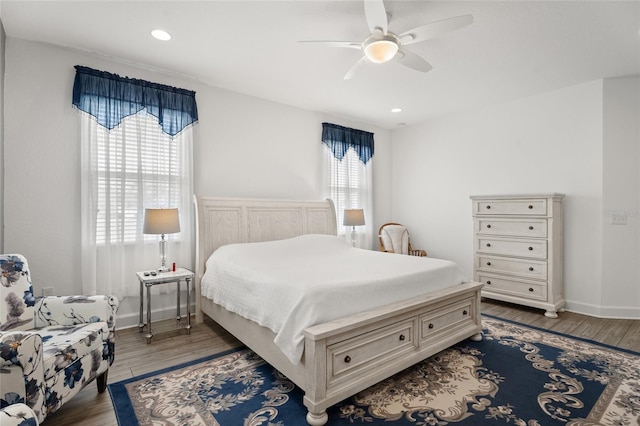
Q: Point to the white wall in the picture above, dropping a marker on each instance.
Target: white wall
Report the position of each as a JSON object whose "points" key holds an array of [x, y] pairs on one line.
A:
{"points": [[546, 143], [2, 43], [244, 146], [621, 197]]}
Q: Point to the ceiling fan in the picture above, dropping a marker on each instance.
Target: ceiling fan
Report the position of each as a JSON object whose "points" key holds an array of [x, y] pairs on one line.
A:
{"points": [[382, 45]]}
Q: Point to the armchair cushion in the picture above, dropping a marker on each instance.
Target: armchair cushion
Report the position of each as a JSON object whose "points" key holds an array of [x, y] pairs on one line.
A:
{"points": [[395, 239], [18, 415]]}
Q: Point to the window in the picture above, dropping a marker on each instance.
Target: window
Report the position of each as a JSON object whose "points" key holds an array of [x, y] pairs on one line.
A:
{"points": [[348, 166], [347, 184], [136, 139], [135, 162]]}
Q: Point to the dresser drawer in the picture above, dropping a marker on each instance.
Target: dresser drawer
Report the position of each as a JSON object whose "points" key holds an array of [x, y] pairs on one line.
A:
{"points": [[535, 269], [512, 247], [512, 286], [368, 351], [512, 227], [444, 320], [510, 207]]}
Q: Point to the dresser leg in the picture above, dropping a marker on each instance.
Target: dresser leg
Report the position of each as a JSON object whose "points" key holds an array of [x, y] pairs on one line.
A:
{"points": [[551, 314], [476, 337]]}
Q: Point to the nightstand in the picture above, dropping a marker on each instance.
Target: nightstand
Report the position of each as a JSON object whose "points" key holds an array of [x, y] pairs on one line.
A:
{"points": [[147, 280]]}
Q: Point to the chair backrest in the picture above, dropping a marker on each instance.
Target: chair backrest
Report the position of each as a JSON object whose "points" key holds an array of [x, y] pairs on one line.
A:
{"points": [[16, 293], [395, 238]]}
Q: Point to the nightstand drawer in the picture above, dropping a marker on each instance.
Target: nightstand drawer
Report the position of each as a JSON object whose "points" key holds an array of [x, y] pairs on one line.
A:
{"points": [[512, 286], [512, 247], [527, 268], [512, 227], [370, 350], [510, 207]]}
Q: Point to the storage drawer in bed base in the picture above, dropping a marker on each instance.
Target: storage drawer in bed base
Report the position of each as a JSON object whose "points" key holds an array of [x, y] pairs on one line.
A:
{"points": [[415, 335]]}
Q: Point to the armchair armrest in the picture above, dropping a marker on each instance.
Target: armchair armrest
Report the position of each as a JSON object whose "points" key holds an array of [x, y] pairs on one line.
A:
{"points": [[23, 350], [72, 310], [18, 415]]}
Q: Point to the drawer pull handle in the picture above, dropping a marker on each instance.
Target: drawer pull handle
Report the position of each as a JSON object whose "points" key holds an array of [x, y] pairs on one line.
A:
{"points": [[488, 244], [347, 359], [531, 268], [530, 288], [488, 282], [530, 228], [530, 206], [488, 207], [431, 326], [489, 226], [401, 337], [488, 263], [465, 312], [530, 248]]}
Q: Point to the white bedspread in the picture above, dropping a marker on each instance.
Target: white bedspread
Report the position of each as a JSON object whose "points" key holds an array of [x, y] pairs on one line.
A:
{"points": [[292, 284]]}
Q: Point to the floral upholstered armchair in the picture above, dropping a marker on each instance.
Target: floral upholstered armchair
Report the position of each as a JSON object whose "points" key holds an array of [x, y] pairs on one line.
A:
{"points": [[50, 347]]}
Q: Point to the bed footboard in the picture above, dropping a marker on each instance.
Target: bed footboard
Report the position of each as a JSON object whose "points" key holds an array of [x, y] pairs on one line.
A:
{"points": [[348, 355]]}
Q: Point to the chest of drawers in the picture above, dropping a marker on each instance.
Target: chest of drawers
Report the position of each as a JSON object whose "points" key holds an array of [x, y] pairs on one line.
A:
{"points": [[518, 251]]}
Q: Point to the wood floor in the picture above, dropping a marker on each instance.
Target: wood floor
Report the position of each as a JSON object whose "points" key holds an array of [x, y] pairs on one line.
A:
{"points": [[171, 346]]}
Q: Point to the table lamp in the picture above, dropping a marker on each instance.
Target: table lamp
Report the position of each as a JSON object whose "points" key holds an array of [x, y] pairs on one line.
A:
{"points": [[161, 221], [353, 218]]}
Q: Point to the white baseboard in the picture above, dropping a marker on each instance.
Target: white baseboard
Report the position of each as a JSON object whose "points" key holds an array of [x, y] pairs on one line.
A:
{"points": [[613, 312], [132, 319]]}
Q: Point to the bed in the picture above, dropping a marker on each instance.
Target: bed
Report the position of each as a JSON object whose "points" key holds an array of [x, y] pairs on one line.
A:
{"points": [[345, 354]]}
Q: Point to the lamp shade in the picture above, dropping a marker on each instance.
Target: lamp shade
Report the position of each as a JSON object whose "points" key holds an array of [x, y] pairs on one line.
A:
{"points": [[161, 221], [353, 217]]}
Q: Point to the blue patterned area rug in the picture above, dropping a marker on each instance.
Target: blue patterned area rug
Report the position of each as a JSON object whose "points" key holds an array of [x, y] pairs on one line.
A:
{"points": [[517, 375]]}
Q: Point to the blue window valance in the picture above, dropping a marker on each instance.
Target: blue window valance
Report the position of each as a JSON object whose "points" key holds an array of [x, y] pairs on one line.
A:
{"points": [[110, 98], [339, 139]]}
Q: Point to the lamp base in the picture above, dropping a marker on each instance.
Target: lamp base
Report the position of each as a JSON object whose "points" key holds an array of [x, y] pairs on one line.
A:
{"points": [[354, 236]]}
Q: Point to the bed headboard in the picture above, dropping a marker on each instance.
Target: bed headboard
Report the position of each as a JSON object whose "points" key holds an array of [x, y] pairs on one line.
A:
{"points": [[221, 221]]}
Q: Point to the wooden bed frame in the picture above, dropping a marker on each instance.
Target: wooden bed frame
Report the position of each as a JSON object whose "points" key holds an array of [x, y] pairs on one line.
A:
{"points": [[345, 356]]}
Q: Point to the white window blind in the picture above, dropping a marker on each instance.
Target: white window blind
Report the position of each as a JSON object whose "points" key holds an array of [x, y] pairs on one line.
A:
{"points": [[135, 162], [345, 177]]}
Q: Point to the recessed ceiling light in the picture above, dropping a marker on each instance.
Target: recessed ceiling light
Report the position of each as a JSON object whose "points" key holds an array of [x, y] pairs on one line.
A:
{"points": [[396, 109], [161, 35]]}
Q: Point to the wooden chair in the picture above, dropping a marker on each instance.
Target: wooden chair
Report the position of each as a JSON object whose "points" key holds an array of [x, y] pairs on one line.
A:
{"points": [[394, 238]]}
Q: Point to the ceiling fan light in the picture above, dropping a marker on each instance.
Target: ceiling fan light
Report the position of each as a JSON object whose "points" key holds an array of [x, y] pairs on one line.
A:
{"points": [[381, 51]]}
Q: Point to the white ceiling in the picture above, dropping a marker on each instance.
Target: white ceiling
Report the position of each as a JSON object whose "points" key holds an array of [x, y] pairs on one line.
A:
{"points": [[513, 49]]}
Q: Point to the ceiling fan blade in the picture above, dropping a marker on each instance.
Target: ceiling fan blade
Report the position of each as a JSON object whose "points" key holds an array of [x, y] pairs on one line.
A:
{"points": [[376, 16], [434, 29], [348, 44], [352, 71], [411, 60]]}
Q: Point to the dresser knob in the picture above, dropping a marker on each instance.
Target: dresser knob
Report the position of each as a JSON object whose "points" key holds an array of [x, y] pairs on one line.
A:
{"points": [[530, 206], [488, 263], [431, 326], [347, 359], [488, 207], [465, 312], [531, 228], [530, 248], [531, 268], [488, 244], [488, 282], [401, 337], [489, 226], [530, 288]]}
